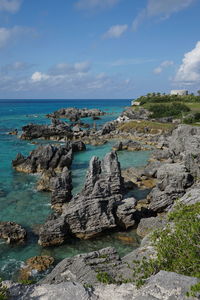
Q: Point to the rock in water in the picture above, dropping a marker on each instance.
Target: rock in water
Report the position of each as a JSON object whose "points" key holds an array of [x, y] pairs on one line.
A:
{"points": [[92, 211], [12, 232], [61, 189]]}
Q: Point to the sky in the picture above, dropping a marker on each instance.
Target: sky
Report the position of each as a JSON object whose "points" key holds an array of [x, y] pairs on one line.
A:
{"points": [[98, 49]]}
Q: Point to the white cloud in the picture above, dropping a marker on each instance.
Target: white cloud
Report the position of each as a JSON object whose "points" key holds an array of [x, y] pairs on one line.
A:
{"points": [[8, 35], [66, 68], [11, 6], [95, 4], [115, 31], [160, 8], [189, 70], [165, 64], [38, 76]]}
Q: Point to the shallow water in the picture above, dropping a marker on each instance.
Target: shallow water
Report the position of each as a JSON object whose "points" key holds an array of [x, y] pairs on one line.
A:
{"points": [[21, 203]]}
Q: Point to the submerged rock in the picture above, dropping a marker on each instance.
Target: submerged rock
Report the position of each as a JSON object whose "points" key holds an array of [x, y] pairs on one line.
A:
{"points": [[34, 265], [12, 232]]}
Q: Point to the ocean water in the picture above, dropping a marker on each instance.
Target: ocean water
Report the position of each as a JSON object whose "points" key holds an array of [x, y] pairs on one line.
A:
{"points": [[19, 200]]}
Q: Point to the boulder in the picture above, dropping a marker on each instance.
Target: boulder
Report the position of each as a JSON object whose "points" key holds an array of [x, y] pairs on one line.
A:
{"points": [[148, 225], [128, 145], [126, 213], [172, 182], [12, 232], [53, 232]]}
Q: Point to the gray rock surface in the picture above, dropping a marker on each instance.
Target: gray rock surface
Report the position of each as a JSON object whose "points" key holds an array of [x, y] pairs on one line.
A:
{"points": [[44, 158], [126, 213], [172, 182], [147, 225], [74, 113], [84, 268], [129, 145]]}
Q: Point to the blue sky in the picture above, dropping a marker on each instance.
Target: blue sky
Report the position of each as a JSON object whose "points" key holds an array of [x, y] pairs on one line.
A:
{"points": [[98, 48]]}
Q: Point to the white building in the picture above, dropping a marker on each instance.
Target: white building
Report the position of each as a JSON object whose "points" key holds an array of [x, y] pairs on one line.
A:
{"points": [[179, 92]]}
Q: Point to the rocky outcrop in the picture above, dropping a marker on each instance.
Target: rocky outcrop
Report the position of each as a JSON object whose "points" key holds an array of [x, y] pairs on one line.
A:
{"points": [[12, 232], [126, 213], [56, 131], [133, 114], [172, 182], [54, 232], [129, 145], [108, 127], [47, 157], [84, 268], [73, 113], [61, 189], [92, 211]]}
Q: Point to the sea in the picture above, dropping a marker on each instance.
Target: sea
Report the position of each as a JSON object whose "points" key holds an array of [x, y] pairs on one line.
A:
{"points": [[20, 202]]}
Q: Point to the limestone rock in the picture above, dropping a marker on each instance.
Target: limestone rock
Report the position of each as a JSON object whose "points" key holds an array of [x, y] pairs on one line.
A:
{"points": [[84, 268], [126, 213], [12, 232], [172, 182], [53, 232], [148, 225]]}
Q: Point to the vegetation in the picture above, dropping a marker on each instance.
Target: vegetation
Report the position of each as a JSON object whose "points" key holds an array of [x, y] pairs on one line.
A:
{"points": [[192, 118], [3, 291], [162, 98], [104, 277], [177, 247], [172, 109], [146, 126]]}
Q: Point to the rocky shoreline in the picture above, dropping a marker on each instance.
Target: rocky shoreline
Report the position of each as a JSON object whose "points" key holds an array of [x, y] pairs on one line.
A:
{"points": [[172, 173]]}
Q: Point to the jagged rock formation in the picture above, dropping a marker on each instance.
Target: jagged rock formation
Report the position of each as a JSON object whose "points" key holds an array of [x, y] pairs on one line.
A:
{"points": [[74, 114], [56, 131], [172, 181], [12, 232], [132, 114], [47, 157]]}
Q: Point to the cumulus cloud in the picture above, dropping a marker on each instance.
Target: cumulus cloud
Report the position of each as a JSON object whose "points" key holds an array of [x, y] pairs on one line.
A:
{"points": [[11, 6], [115, 31], [38, 76], [95, 4], [160, 8], [8, 35], [165, 64], [189, 70]]}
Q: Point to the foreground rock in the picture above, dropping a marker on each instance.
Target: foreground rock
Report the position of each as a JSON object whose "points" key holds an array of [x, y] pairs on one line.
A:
{"points": [[12, 232], [148, 225], [85, 268], [162, 286], [74, 114]]}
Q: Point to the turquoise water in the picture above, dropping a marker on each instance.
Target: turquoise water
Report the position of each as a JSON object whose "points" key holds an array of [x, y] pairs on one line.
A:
{"points": [[19, 200]]}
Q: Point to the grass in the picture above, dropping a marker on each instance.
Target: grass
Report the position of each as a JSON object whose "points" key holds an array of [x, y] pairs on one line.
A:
{"points": [[144, 126]]}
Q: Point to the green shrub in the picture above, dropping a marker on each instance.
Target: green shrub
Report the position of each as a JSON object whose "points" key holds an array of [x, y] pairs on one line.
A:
{"points": [[104, 277], [192, 118], [159, 98], [177, 246], [168, 110]]}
